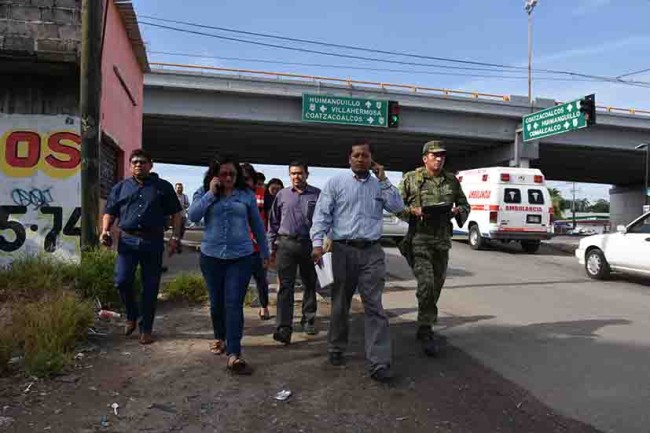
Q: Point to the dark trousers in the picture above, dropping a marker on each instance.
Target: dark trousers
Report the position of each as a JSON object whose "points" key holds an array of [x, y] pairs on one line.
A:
{"points": [[261, 281], [363, 269], [293, 254], [148, 254], [227, 281]]}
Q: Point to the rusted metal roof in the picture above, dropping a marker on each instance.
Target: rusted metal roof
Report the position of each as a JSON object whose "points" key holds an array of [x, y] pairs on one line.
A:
{"points": [[127, 12]]}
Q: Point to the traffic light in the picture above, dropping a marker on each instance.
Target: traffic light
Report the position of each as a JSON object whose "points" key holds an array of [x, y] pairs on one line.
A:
{"points": [[393, 114], [588, 108]]}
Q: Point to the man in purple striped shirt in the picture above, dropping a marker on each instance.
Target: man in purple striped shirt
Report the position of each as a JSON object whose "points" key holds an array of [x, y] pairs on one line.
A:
{"points": [[288, 235]]}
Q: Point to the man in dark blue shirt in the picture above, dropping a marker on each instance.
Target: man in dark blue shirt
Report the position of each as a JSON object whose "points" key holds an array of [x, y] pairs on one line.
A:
{"points": [[142, 204]]}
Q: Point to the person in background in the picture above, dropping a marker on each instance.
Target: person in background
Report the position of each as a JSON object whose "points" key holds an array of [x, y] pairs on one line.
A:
{"points": [[289, 223], [350, 207], [185, 204], [259, 271], [143, 203], [272, 188], [229, 210], [259, 180]]}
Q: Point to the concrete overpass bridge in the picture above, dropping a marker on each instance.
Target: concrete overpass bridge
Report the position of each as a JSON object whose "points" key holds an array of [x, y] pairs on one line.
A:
{"points": [[190, 116]]}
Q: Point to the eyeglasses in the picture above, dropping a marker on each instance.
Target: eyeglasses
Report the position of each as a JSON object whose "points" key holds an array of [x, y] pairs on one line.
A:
{"points": [[139, 161], [228, 174]]}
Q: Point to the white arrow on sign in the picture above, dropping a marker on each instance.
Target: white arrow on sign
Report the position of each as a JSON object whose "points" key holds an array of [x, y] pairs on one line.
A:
{"points": [[570, 107], [323, 108], [378, 105], [566, 125], [535, 125], [370, 120], [368, 104]]}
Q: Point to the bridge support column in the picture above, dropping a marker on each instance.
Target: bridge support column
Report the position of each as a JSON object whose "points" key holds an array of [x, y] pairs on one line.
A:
{"points": [[625, 204]]}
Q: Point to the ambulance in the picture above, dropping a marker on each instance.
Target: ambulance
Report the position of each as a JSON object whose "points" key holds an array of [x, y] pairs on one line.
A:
{"points": [[508, 204]]}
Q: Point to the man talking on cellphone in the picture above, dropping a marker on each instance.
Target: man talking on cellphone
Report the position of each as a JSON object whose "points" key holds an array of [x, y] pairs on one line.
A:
{"points": [[350, 208]]}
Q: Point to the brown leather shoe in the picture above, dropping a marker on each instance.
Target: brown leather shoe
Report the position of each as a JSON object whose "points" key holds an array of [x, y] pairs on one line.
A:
{"points": [[129, 327], [146, 338]]}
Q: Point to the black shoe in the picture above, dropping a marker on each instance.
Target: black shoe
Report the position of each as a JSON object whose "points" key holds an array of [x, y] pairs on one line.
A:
{"points": [[382, 374], [283, 336], [336, 359], [428, 340], [310, 329], [424, 333]]}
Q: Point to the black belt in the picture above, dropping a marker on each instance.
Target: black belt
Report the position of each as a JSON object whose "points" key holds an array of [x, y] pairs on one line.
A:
{"points": [[145, 234], [294, 238], [357, 243]]}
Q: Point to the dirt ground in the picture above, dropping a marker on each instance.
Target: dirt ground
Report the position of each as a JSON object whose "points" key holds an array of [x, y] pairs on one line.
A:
{"points": [[176, 385]]}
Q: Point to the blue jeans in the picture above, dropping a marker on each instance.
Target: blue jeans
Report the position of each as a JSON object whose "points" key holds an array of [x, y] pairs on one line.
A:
{"points": [[261, 281], [148, 254], [227, 281]]}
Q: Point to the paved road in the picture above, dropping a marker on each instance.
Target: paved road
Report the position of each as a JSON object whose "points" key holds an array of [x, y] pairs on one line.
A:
{"points": [[582, 347]]}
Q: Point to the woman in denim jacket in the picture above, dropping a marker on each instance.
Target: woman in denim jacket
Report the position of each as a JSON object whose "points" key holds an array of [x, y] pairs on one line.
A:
{"points": [[228, 208]]}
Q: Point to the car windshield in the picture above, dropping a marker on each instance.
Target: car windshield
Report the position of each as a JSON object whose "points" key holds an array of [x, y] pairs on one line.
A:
{"points": [[641, 226]]}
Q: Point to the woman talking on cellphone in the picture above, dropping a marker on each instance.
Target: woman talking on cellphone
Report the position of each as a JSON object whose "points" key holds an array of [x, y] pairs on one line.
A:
{"points": [[228, 207]]}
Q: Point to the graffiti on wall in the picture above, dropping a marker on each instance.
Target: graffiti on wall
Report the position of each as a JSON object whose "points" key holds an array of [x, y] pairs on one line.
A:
{"points": [[40, 186]]}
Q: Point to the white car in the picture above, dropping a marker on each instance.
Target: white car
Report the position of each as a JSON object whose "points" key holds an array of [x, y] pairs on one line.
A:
{"points": [[394, 227], [627, 250]]}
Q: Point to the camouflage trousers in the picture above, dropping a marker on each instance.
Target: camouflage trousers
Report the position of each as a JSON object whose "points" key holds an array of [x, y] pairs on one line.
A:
{"points": [[430, 260]]}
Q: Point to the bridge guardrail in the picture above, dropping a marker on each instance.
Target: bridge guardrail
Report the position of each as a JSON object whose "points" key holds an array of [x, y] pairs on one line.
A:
{"points": [[383, 85]]}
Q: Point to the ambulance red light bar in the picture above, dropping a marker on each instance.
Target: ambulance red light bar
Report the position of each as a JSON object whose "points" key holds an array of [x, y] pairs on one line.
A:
{"points": [[539, 178], [505, 177]]}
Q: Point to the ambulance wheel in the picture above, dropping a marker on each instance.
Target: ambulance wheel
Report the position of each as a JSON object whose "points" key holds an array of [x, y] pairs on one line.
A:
{"points": [[530, 247], [476, 241]]}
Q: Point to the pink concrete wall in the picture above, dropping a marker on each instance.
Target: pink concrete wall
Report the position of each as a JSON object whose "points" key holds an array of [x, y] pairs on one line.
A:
{"points": [[121, 118]]}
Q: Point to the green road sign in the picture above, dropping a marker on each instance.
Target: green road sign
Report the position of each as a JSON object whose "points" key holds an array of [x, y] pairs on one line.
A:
{"points": [[344, 111], [553, 121]]}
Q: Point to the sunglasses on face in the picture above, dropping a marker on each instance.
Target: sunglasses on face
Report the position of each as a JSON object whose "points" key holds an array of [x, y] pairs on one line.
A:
{"points": [[139, 161]]}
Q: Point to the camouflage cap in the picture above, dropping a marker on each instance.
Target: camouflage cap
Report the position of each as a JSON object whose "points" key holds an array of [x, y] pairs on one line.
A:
{"points": [[434, 146]]}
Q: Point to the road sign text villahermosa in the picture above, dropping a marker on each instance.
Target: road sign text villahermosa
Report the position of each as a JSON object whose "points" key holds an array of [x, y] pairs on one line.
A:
{"points": [[343, 110]]}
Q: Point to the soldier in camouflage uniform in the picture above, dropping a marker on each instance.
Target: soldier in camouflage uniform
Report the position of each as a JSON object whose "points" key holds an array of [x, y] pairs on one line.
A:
{"points": [[427, 244]]}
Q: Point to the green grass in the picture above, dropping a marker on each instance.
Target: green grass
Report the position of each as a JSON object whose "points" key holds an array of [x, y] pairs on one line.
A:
{"points": [[188, 287], [31, 277], [51, 305], [48, 330]]}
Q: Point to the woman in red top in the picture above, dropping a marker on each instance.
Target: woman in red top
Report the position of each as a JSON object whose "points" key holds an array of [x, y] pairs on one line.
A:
{"points": [[259, 273]]}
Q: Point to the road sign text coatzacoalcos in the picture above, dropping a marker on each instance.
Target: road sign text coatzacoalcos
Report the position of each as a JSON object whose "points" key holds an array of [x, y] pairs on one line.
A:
{"points": [[553, 121], [345, 111]]}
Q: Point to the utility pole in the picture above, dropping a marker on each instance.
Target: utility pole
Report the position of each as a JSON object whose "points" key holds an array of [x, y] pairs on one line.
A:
{"points": [[90, 98], [573, 206], [529, 6]]}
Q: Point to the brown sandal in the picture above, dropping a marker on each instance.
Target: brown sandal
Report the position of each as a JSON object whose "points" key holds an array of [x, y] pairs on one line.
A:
{"points": [[218, 347], [238, 366]]}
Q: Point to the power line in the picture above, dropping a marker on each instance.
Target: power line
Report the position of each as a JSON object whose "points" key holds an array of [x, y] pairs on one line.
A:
{"points": [[633, 73], [362, 68], [355, 57], [332, 45]]}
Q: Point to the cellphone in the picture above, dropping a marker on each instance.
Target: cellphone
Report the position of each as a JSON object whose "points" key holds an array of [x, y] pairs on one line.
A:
{"points": [[373, 166]]}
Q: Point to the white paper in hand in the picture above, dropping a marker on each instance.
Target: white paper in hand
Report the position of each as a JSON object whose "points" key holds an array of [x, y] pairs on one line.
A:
{"points": [[324, 270]]}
